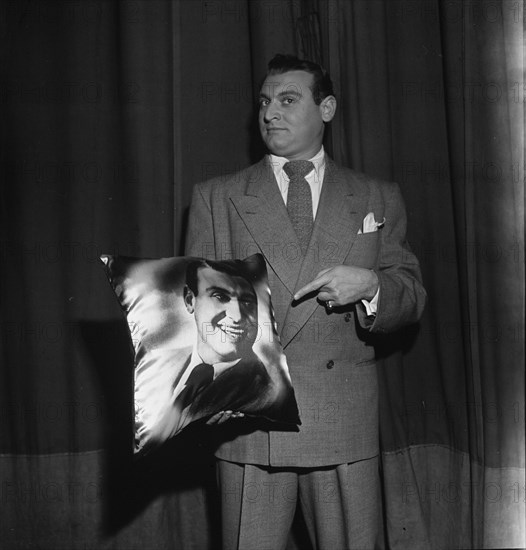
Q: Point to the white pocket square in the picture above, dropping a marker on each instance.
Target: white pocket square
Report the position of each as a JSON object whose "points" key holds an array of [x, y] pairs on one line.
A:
{"points": [[370, 224]]}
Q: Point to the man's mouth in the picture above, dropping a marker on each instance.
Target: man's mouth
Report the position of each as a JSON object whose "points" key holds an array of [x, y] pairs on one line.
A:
{"points": [[232, 332]]}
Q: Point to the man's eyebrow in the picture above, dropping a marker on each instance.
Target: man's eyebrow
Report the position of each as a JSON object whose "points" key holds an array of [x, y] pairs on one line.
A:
{"points": [[215, 288], [246, 296], [290, 92], [263, 95]]}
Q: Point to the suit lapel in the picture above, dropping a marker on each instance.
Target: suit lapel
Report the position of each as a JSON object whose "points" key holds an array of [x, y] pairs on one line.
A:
{"points": [[339, 217], [265, 215]]}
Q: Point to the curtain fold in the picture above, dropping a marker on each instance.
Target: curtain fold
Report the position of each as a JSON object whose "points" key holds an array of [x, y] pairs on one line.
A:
{"points": [[111, 111], [87, 168], [488, 173], [436, 110]]}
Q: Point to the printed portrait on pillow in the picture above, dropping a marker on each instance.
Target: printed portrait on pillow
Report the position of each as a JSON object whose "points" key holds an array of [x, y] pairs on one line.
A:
{"points": [[205, 341]]}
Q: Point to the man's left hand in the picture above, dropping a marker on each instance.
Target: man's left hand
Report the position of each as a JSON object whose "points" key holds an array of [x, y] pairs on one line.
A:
{"points": [[342, 285]]}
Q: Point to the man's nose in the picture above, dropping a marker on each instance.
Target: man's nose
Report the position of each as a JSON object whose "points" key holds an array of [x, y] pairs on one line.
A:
{"points": [[271, 112], [234, 311]]}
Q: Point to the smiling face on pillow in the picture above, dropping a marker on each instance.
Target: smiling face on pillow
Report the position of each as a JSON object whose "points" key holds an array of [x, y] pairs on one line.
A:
{"points": [[224, 306]]}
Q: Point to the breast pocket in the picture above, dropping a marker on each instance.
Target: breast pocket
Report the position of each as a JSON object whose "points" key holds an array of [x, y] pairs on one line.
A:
{"points": [[364, 251]]}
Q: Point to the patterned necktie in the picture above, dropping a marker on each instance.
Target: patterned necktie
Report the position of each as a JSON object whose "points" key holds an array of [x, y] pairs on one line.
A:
{"points": [[299, 200], [199, 379]]}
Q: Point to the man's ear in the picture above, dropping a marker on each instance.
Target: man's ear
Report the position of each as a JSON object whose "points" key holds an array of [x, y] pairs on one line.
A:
{"points": [[328, 108], [189, 299]]}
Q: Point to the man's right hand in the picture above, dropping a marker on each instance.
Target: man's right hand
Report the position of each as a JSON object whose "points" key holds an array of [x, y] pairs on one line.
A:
{"points": [[223, 416]]}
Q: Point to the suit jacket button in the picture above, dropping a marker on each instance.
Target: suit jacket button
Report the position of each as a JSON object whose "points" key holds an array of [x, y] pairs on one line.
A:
{"points": [[330, 364], [347, 317]]}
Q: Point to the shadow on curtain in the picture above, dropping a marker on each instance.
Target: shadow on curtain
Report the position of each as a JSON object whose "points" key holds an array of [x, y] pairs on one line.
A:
{"points": [[112, 110]]}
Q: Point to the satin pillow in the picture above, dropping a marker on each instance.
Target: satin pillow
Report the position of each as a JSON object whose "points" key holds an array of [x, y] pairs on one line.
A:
{"points": [[205, 341]]}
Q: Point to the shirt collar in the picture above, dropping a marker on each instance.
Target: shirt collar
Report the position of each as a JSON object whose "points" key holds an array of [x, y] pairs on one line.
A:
{"points": [[218, 367], [277, 163]]}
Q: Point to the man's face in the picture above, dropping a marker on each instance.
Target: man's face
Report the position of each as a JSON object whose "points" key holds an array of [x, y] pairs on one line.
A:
{"points": [[225, 311], [290, 122]]}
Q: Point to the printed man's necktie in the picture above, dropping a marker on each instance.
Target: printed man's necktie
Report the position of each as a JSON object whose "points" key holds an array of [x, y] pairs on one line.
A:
{"points": [[200, 377]]}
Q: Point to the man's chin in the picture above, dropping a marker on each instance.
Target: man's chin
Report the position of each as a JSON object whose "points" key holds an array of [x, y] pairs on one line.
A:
{"points": [[233, 354], [277, 148]]}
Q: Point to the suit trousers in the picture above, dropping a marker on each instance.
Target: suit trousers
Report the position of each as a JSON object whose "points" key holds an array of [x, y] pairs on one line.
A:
{"points": [[341, 505]]}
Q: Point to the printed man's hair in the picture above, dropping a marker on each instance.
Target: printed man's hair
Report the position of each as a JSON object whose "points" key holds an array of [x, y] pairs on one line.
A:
{"points": [[234, 268]]}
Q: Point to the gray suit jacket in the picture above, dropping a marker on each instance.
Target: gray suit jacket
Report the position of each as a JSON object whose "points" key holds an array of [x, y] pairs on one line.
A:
{"points": [[330, 355]]}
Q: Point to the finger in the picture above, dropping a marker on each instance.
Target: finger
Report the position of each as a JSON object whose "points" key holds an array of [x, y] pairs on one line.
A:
{"points": [[314, 285], [326, 296], [214, 419], [225, 416]]}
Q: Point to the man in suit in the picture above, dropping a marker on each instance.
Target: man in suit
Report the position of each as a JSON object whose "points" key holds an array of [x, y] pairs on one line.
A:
{"points": [[341, 274]]}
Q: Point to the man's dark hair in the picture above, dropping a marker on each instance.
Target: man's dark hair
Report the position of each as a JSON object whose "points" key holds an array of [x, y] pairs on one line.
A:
{"points": [[322, 83], [234, 268]]}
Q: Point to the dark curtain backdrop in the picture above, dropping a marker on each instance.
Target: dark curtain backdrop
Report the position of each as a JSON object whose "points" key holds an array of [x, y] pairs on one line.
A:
{"points": [[112, 110]]}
